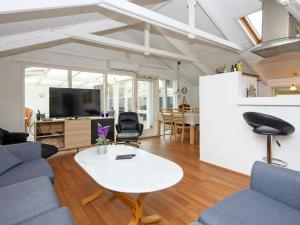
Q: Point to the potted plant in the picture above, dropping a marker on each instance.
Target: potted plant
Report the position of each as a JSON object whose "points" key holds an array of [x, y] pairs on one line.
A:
{"points": [[101, 140]]}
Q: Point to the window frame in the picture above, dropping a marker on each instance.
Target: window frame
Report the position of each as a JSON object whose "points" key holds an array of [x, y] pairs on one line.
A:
{"points": [[175, 100], [250, 29]]}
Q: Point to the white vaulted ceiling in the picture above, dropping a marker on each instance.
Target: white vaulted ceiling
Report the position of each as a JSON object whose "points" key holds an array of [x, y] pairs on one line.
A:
{"points": [[40, 29]]}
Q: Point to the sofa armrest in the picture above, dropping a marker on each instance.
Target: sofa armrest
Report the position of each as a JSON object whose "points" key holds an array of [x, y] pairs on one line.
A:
{"points": [[277, 183], [26, 151]]}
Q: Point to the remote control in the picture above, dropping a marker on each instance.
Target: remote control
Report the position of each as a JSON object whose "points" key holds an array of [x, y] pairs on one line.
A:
{"points": [[130, 156]]}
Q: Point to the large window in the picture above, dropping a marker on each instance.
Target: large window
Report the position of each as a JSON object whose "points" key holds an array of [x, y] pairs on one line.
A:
{"points": [[119, 93], [87, 80], [253, 25], [38, 80], [167, 96], [46, 77]]}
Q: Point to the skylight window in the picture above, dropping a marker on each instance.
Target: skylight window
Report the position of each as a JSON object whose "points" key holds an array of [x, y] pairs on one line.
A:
{"points": [[253, 25]]}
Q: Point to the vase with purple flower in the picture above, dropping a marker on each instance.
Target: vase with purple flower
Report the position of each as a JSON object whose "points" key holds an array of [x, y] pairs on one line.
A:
{"points": [[102, 140]]}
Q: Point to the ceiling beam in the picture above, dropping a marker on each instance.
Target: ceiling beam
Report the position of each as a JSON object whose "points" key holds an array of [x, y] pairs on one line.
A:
{"points": [[221, 28], [18, 6], [292, 7], [70, 52], [192, 13], [13, 42], [147, 38], [169, 64], [17, 41], [128, 46], [138, 12], [181, 47], [221, 24]]}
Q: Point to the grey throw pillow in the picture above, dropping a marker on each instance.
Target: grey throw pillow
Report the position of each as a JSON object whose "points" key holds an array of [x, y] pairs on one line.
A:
{"points": [[8, 161]]}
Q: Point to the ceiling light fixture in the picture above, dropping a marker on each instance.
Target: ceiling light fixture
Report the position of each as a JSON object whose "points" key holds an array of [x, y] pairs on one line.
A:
{"points": [[178, 92]]}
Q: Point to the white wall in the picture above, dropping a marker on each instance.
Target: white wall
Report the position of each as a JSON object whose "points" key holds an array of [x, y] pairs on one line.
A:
{"points": [[37, 98], [196, 95], [11, 95], [225, 138]]}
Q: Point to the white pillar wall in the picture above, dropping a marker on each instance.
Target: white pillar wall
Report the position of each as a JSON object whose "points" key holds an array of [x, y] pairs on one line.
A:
{"points": [[226, 140], [149, 105], [116, 96], [12, 95]]}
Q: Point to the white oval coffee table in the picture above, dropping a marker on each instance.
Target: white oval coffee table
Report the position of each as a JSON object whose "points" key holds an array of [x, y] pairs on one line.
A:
{"points": [[140, 175]]}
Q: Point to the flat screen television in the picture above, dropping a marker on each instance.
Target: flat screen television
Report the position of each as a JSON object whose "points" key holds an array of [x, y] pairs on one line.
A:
{"points": [[73, 102]]}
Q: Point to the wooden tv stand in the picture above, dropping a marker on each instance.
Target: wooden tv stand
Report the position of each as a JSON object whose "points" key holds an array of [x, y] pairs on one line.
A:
{"points": [[70, 133]]}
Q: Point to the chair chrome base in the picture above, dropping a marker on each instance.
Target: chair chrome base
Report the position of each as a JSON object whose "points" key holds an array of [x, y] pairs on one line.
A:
{"points": [[269, 159], [277, 162], [135, 144]]}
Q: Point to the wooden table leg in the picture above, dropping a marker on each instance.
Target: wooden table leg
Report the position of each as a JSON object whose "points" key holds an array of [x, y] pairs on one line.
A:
{"points": [[137, 206], [93, 197], [192, 134], [158, 127], [151, 219]]}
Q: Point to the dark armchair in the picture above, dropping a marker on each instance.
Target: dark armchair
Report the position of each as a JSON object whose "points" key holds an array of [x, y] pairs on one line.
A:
{"points": [[7, 138], [128, 128]]}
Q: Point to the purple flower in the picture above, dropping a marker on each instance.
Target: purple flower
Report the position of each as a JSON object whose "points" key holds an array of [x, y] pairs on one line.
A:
{"points": [[102, 131]]}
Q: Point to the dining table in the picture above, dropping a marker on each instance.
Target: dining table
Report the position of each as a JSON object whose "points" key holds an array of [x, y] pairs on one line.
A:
{"points": [[193, 120]]}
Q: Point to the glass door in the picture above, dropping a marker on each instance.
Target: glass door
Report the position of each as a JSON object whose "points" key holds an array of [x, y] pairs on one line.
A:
{"points": [[145, 103], [119, 94]]}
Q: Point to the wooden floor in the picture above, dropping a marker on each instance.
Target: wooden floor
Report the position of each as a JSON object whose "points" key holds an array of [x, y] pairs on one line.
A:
{"points": [[202, 186]]}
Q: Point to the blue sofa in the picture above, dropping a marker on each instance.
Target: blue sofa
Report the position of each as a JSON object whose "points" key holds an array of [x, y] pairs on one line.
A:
{"points": [[27, 196], [273, 199]]}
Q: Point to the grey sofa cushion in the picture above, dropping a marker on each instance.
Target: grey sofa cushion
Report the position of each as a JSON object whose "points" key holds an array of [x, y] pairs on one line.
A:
{"points": [[278, 183], [8, 161], [25, 200], [249, 207], [25, 151], [25, 171], [60, 216]]}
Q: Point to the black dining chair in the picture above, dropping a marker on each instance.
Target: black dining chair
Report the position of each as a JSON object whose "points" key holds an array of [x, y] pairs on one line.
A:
{"points": [[270, 126]]}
